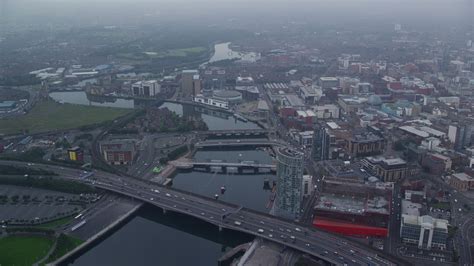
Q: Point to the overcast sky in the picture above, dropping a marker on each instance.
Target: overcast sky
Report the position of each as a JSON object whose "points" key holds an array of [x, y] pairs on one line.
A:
{"points": [[430, 12]]}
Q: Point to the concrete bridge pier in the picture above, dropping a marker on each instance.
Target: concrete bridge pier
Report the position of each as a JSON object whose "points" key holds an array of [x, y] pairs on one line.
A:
{"points": [[164, 211], [220, 228]]}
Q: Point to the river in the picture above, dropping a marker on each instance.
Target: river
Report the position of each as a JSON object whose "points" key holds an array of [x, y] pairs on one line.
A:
{"points": [[222, 51], [154, 238], [215, 120]]}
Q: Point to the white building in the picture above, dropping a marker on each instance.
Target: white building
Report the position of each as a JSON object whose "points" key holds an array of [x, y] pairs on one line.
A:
{"points": [[424, 231], [211, 101], [326, 111], [147, 88]]}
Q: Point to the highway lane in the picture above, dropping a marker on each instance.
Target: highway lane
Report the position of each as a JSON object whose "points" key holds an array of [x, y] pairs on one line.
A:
{"points": [[338, 254], [321, 244]]}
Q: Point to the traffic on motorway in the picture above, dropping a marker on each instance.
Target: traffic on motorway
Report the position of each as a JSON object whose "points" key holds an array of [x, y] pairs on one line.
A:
{"points": [[328, 247]]}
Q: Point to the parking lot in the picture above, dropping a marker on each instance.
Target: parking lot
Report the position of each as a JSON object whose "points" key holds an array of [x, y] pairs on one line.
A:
{"points": [[22, 205]]}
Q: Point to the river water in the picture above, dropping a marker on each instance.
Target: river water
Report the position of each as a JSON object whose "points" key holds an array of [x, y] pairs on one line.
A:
{"points": [[151, 238], [222, 51], [215, 120]]}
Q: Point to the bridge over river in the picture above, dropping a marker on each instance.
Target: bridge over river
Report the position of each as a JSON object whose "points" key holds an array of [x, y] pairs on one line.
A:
{"points": [[331, 248]]}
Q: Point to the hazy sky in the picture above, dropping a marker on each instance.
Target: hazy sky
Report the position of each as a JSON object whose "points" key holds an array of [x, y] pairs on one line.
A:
{"points": [[430, 12]]}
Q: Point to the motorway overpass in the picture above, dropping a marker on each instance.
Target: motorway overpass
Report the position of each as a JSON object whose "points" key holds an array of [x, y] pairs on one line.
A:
{"points": [[331, 248]]}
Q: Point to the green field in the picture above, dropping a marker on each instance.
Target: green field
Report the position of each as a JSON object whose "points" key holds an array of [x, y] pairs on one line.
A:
{"points": [[23, 250], [46, 116], [65, 244], [137, 55]]}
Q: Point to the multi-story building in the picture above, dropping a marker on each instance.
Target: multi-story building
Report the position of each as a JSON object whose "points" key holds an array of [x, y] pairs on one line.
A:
{"points": [[310, 94], [387, 169], [304, 138], [118, 152], [290, 183], [327, 111], [148, 88], [425, 231], [188, 83], [328, 82], [461, 181], [436, 163], [460, 134], [364, 143], [197, 85], [321, 143], [351, 104], [307, 185]]}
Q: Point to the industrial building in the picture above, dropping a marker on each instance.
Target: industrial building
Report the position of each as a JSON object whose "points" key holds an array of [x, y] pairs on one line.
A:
{"points": [[289, 183]]}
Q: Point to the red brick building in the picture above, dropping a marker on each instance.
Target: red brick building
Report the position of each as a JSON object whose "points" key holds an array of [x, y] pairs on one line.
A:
{"points": [[118, 152]]}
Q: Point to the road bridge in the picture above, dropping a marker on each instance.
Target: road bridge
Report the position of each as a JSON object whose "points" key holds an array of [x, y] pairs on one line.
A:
{"points": [[223, 166], [238, 143], [235, 133], [331, 248]]}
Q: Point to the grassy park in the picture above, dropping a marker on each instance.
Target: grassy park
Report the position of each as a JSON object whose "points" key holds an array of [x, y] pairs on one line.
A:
{"points": [[23, 250], [47, 116], [65, 244]]}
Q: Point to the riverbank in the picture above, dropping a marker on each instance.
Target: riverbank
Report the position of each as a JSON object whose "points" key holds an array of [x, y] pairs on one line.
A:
{"points": [[98, 236]]}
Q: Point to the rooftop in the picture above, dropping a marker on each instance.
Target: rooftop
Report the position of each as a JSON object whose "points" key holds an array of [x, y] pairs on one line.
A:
{"points": [[352, 204], [351, 99], [426, 220], [415, 131], [387, 161], [410, 208], [463, 177], [328, 79]]}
